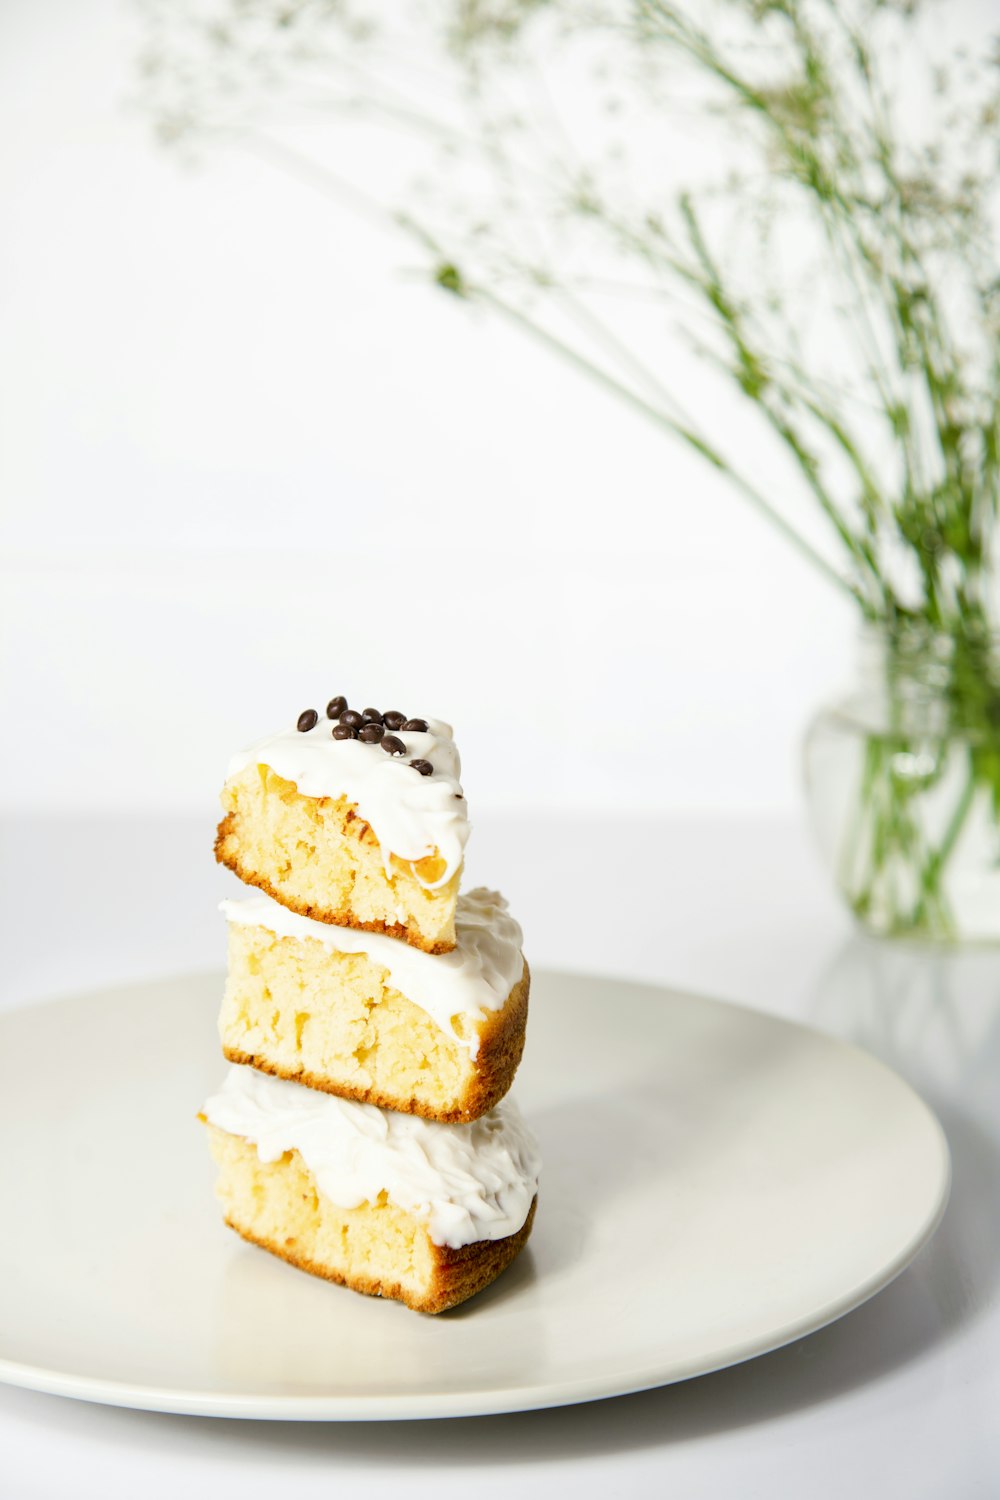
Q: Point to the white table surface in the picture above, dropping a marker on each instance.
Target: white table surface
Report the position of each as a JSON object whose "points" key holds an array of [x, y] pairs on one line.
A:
{"points": [[901, 1398]]}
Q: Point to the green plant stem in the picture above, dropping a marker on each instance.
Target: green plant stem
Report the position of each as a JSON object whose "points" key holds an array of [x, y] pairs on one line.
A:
{"points": [[322, 180], [662, 419], [932, 872]]}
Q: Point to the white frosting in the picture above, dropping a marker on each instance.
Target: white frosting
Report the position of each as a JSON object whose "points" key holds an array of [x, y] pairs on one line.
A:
{"points": [[476, 977], [412, 816], [465, 1182]]}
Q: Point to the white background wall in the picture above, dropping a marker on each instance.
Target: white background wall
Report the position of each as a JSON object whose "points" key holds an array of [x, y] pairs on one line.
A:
{"points": [[246, 463]]}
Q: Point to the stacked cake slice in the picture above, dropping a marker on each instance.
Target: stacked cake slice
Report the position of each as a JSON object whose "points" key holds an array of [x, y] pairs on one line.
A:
{"points": [[374, 1015]]}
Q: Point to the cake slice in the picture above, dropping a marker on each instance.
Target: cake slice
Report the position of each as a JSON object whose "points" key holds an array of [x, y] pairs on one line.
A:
{"points": [[370, 1018], [388, 1204], [356, 819]]}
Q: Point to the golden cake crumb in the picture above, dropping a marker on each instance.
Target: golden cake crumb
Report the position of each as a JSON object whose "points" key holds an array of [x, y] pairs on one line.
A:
{"points": [[316, 856], [333, 1021], [376, 1248]]}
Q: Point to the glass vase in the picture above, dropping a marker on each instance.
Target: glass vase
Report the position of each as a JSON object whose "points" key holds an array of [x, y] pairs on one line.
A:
{"points": [[903, 784]]}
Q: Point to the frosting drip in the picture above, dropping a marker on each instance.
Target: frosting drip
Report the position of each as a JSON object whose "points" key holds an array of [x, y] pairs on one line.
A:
{"points": [[412, 816], [464, 1182], [476, 977]]}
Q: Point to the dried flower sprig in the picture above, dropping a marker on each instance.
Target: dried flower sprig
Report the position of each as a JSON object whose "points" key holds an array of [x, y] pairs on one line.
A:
{"points": [[869, 351]]}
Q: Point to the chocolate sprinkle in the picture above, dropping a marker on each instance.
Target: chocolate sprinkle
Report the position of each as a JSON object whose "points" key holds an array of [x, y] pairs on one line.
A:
{"points": [[351, 718], [335, 707], [371, 733], [423, 766], [393, 746], [306, 720], [419, 726], [393, 719], [344, 732]]}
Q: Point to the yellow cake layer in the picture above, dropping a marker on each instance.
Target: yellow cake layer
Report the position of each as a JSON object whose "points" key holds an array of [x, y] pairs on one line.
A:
{"points": [[317, 856], [294, 1008], [376, 1248]]}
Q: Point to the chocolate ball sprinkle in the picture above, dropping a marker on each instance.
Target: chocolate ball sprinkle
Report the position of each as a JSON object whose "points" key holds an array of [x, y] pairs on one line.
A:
{"points": [[351, 718], [393, 746], [419, 726], [335, 707], [344, 732], [423, 766], [371, 716], [393, 719], [306, 720], [371, 733]]}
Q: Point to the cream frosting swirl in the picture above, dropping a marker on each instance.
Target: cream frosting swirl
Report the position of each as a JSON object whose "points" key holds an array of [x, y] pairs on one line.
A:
{"points": [[412, 816], [464, 1182], [476, 977]]}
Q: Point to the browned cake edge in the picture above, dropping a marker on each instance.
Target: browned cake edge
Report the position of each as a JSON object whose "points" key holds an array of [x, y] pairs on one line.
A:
{"points": [[501, 1044], [500, 1048], [334, 917], [458, 1274]]}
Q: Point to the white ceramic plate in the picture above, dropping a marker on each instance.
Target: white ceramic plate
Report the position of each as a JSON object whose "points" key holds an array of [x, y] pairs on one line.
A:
{"points": [[716, 1184]]}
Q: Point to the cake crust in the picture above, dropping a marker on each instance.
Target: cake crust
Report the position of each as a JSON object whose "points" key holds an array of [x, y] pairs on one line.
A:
{"points": [[501, 1043]]}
